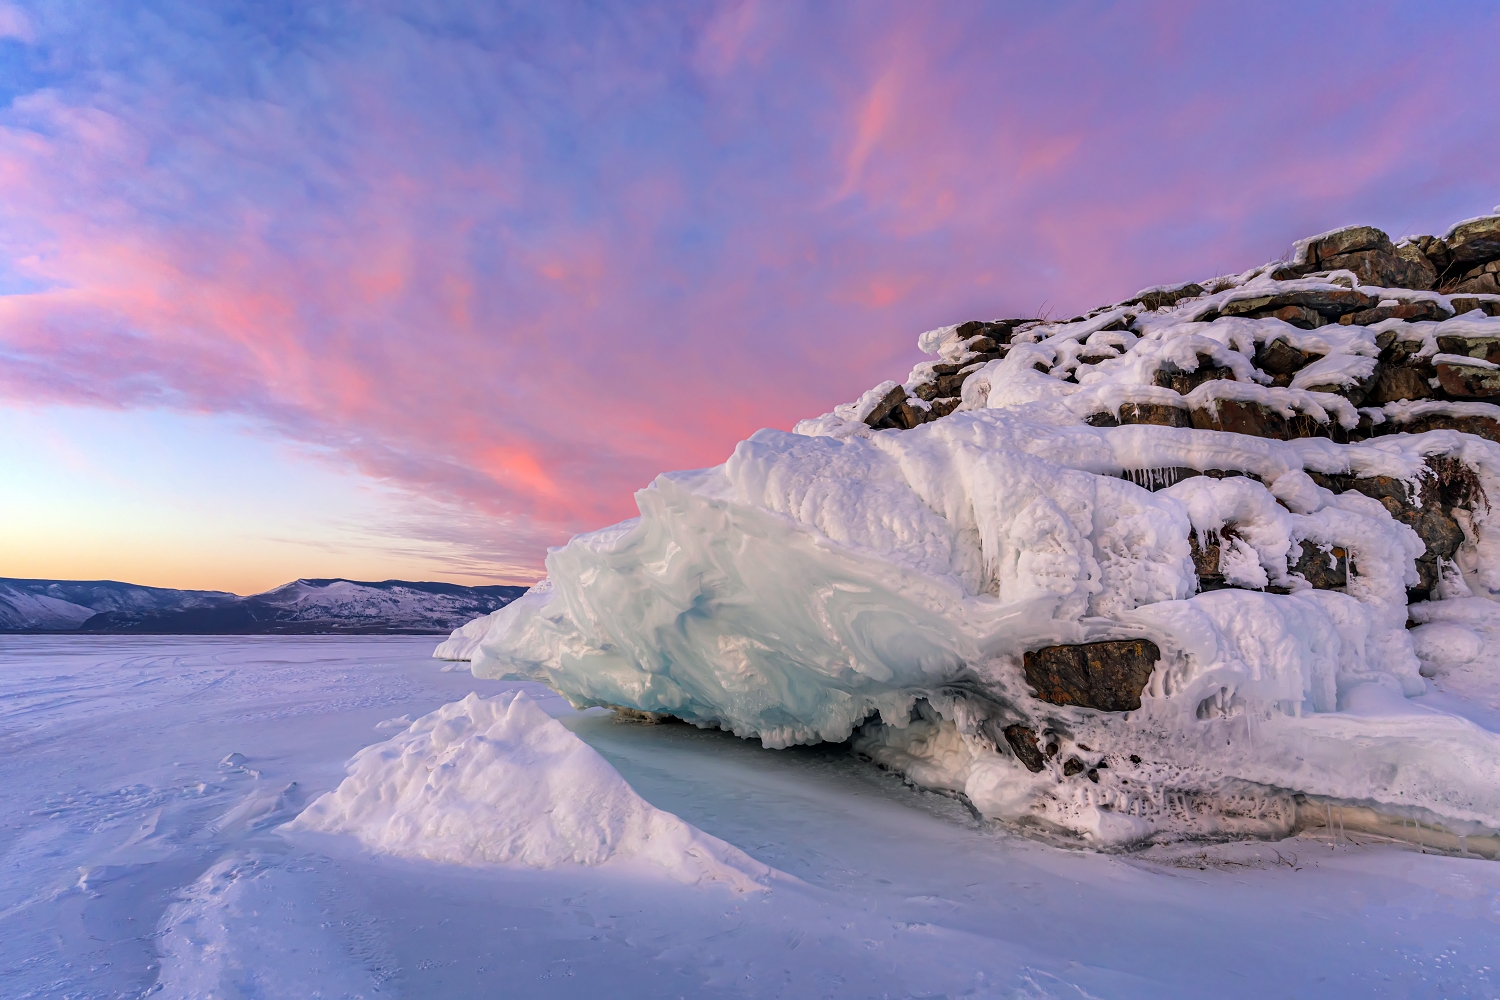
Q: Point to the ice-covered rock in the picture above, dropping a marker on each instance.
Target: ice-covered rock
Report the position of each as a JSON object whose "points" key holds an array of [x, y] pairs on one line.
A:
{"points": [[1187, 473], [494, 781]]}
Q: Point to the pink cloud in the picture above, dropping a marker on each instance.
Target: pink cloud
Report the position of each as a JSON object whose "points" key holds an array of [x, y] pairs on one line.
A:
{"points": [[522, 267]]}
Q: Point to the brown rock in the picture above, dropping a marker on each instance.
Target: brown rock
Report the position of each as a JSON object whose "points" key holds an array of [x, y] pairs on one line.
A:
{"points": [[1355, 392], [1441, 536], [1485, 427], [997, 330], [943, 407], [1434, 249], [906, 416], [1170, 376], [1298, 316], [1287, 271], [1331, 302], [1467, 304], [1394, 382], [1478, 280], [1487, 348], [1280, 358], [1468, 381], [1244, 417], [948, 379], [1351, 239], [1484, 283], [1163, 297], [1073, 766], [1416, 257], [1160, 414], [1108, 676], [883, 409], [1022, 740], [1384, 268], [1400, 352], [1326, 568], [1335, 482], [1206, 552], [1411, 312], [1428, 512], [1475, 242]]}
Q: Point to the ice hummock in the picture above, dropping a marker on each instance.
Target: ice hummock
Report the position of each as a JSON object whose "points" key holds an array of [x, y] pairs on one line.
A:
{"points": [[848, 582]]}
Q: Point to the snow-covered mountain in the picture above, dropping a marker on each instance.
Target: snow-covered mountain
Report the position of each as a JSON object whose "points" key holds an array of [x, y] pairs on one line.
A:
{"points": [[301, 606], [59, 605], [1214, 560]]}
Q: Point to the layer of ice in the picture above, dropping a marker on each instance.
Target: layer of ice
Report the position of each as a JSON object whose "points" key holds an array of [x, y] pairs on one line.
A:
{"points": [[494, 781]]}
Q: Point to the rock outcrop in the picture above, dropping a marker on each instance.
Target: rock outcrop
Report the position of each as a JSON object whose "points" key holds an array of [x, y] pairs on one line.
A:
{"points": [[1419, 353], [1107, 676], [1108, 575]]}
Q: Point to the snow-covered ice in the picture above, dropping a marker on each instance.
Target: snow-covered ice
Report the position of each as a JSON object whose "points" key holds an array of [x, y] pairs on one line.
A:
{"points": [[885, 583], [813, 582], [143, 845]]}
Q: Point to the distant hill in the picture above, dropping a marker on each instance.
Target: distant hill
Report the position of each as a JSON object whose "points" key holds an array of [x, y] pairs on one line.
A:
{"points": [[302, 606]]}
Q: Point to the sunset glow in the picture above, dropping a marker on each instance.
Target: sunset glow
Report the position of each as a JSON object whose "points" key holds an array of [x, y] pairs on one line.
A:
{"points": [[502, 267]]}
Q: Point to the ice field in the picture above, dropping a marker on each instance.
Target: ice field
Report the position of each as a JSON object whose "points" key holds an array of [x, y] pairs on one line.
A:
{"points": [[147, 781]]}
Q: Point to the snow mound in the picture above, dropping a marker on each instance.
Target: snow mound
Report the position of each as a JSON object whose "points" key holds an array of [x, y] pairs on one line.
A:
{"points": [[498, 781]]}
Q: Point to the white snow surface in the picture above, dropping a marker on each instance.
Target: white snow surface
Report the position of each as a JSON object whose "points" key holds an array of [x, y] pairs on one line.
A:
{"points": [[498, 780], [143, 852], [840, 577]]}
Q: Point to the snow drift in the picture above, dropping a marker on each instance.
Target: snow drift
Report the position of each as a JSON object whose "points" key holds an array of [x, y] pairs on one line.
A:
{"points": [[494, 781], [949, 571]]}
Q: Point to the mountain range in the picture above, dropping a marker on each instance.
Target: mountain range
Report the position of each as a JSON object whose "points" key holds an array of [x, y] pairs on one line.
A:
{"points": [[302, 606]]}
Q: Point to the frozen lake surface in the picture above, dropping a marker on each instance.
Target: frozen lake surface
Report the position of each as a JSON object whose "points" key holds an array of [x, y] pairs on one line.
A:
{"points": [[138, 857]]}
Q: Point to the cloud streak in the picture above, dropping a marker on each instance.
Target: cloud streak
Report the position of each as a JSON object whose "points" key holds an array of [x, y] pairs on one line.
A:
{"points": [[514, 261]]}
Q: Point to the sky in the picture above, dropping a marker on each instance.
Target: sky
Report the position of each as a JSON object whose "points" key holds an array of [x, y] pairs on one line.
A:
{"points": [[416, 290]]}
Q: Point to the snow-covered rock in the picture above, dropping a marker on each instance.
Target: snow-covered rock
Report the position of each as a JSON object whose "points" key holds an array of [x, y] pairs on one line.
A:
{"points": [[1190, 468]]}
